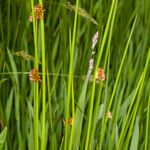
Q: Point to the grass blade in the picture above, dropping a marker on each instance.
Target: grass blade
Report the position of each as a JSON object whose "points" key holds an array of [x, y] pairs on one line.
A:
{"points": [[135, 137], [3, 138]]}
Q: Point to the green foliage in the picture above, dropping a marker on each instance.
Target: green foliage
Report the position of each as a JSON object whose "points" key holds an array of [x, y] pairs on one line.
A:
{"points": [[69, 108], [3, 138]]}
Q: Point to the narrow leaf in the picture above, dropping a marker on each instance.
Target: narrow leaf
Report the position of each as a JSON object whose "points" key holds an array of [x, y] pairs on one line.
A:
{"points": [[135, 137], [3, 138]]}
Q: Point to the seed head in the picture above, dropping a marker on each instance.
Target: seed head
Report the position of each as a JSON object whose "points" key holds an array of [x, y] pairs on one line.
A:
{"points": [[94, 40], [68, 122], [38, 12], [34, 76], [100, 75], [91, 65]]}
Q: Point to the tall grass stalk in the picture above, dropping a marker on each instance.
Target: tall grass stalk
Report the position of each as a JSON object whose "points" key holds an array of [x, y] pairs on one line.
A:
{"points": [[96, 109], [70, 80], [116, 82], [36, 85], [94, 82], [17, 99], [137, 105], [134, 111], [72, 102], [147, 124], [8, 22], [43, 140]]}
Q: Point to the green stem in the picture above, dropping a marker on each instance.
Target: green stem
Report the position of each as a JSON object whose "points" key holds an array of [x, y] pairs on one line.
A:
{"points": [[147, 123], [70, 77], [94, 82], [43, 142], [72, 129], [136, 106], [117, 80], [36, 85], [8, 23]]}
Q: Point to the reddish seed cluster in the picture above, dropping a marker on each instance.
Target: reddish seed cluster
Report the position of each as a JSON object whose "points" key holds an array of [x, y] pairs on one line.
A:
{"points": [[68, 122], [34, 76], [38, 12], [100, 74]]}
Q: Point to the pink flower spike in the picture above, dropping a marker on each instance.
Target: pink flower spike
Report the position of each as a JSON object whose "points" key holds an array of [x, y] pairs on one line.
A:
{"points": [[94, 40], [91, 64]]}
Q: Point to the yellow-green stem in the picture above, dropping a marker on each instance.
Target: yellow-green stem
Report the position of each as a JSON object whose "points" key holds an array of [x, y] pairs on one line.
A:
{"points": [[36, 85], [43, 142]]}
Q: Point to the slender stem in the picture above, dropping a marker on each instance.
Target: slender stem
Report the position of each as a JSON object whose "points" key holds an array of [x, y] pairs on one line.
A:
{"points": [[36, 85], [72, 129], [8, 23], [94, 82], [70, 75], [147, 123], [116, 82], [43, 142]]}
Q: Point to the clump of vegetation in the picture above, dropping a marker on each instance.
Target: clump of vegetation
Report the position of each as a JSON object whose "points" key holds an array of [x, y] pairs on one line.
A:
{"points": [[74, 75]]}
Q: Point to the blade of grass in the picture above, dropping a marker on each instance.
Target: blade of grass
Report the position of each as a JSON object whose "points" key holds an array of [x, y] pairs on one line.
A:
{"points": [[30, 133], [128, 119], [94, 82], [115, 115], [135, 110], [72, 129], [50, 92], [43, 142], [36, 85], [3, 138], [116, 83], [70, 76], [135, 138], [140, 86], [8, 23], [96, 108], [1, 29], [15, 81], [9, 105], [147, 124]]}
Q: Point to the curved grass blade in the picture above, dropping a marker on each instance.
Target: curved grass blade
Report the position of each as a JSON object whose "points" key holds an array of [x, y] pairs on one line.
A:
{"points": [[3, 138], [135, 137], [147, 124]]}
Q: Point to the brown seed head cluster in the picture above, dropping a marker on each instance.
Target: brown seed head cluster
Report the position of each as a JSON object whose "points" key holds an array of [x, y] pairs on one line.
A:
{"points": [[38, 12], [68, 122], [34, 76], [100, 75]]}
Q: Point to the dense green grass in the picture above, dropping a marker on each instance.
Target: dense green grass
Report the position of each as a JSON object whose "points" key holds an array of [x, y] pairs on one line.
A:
{"points": [[34, 115]]}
